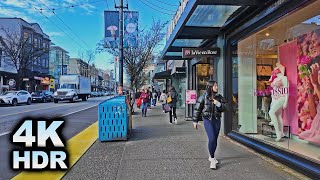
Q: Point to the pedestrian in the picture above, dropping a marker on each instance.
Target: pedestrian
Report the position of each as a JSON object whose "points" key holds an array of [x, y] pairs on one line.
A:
{"points": [[154, 97], [138, 99], [209, 107], [172, 102], [150, 96], [163, 99], [145, 96], [120, 90], [159, 94]]}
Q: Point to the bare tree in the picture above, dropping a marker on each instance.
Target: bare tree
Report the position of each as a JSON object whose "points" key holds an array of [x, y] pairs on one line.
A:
{"points": [[22, 54], [138, 58], [88, 56]]}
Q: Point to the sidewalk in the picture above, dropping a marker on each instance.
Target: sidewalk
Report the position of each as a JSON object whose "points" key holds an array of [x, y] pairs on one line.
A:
{"points": [[158, 150]]}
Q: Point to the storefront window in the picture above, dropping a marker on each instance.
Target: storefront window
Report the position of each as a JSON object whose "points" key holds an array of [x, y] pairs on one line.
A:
{"points": [[202, 77], [276, 83]]}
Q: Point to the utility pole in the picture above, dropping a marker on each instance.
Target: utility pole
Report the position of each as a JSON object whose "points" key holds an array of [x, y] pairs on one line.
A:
{"points": [[121, 7], [61, 62]]}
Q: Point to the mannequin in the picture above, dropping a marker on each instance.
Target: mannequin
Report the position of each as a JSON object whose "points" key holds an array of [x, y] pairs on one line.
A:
{"points": [[280, 95]]}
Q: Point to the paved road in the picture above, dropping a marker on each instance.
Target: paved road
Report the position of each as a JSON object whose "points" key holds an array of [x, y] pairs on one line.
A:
{"points": [[78, 116]]}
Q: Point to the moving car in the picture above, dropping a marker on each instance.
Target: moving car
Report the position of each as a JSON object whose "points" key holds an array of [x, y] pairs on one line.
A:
{"points": [[15, 97], [42, 96]]}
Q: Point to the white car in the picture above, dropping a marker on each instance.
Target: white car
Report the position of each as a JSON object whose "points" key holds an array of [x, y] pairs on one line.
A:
{"points": [[15, 97]]}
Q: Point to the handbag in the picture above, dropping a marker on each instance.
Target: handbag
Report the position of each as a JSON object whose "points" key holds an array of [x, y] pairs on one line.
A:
{"points": [[169, 99], [166, 108]]}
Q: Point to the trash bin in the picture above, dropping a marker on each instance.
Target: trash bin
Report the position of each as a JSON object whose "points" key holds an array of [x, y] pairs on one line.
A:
{"points": [[113, 119]]}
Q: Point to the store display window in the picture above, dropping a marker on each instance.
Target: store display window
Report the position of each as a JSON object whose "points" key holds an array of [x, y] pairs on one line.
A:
{"points": [[202, 77], [276, 83]]}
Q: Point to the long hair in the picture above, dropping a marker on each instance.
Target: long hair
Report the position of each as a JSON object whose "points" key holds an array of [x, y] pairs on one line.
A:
{"points": [[209, 91]]}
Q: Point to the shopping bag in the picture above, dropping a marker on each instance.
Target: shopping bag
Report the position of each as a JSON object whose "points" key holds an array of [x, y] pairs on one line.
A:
{"points": [[166, 108], [169, 99], [139, 102]]}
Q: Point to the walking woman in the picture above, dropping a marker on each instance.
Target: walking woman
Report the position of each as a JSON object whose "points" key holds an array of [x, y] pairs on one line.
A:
{"points": [[145, 96], [173, 96], [209, 107]]}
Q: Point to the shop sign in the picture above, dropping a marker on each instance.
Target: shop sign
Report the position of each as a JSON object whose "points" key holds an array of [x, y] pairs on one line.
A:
{"points": [[271, 91], [11, 83], [191, 96], [45, 81], [200, 52], [25, 79], [37, 78]]}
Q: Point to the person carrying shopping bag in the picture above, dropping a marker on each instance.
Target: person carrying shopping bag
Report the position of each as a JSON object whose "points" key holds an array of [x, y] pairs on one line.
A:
{"points": [[145, 96], [209, 107], [163, 99], [172, 102]]}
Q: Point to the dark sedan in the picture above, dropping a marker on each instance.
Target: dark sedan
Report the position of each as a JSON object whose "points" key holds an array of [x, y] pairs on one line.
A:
{"points": [[42, 96]]}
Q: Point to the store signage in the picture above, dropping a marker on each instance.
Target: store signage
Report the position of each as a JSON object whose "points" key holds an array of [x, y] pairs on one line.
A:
{"points": [[12, 83], [191, 96], [271, 91], [200, 52], [45, 81], [37, 78], [25, 79]]}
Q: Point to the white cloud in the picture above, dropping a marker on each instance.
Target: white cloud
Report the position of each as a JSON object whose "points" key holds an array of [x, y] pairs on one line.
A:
{"points": [[17, 3], [13, 13], [51, 34], [88, 7]]}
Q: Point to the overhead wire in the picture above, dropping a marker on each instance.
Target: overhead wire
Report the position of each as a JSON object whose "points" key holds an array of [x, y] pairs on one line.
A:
{"points": [[175, 5], [53, 23], [155, 8], [72, 6], [159, 6], [66, 25], [53, 9]]}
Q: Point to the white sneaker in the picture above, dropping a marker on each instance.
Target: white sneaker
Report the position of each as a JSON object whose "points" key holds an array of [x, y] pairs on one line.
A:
{"points": [[213, 159], [213, 165], [175, 121], [163, 111]]}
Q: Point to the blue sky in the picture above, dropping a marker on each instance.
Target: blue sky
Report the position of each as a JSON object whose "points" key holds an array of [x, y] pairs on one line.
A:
{"points": [[85, 20]]}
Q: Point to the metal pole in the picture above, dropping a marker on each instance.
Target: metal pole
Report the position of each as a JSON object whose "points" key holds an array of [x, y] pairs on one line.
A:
{"points": [[121, 43], [61, 62], [115, 76]]}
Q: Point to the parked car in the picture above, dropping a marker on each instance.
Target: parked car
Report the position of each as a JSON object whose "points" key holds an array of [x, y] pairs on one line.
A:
{"points": [[42, 96], [15, 97]]}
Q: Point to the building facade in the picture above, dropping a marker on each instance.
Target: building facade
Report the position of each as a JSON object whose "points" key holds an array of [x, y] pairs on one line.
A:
{"points": [[36, 43], [59, 61], [257, 43], [78, 66]]}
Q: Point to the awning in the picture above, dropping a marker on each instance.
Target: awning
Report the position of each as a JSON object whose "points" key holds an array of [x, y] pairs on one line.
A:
{"points": [[200, 23], [178, 71], [163, 75]]}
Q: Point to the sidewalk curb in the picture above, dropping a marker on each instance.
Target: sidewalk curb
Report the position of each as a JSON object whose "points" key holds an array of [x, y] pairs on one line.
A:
{"points": [[281, 166], [77, 146]]}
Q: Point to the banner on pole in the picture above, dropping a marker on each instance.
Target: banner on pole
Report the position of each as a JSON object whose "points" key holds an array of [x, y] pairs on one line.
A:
{"points": [[131, 29], [111, 20]]}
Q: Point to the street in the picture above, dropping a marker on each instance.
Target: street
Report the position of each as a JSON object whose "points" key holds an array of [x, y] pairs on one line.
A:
{"points": [[79, 115]]}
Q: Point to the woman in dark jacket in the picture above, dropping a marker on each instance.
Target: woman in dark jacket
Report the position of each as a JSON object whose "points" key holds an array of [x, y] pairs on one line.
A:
{"points": [[209, 107], [173, 104]]}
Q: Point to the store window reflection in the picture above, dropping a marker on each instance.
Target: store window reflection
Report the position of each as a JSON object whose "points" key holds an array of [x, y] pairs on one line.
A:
{"points": [[276, 83]]}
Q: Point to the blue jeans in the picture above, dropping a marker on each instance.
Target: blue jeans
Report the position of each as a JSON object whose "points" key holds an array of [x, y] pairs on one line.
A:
{"points": [[144, 107], [212, 128]]}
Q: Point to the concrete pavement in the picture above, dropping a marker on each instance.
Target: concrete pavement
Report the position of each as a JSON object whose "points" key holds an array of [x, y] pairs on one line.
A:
{"points": [[158, 150]]}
